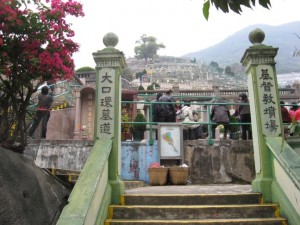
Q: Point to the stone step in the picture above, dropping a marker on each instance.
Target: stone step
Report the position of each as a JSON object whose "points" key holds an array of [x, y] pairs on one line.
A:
{"points": [[194, 212], [191, 199], [133, 184], [247, 221]]}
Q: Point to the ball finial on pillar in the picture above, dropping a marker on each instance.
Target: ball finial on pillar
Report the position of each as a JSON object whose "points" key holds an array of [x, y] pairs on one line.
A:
{"points": [[110, 40], [256, 36]]}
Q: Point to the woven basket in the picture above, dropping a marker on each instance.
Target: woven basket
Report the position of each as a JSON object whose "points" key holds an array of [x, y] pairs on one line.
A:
{"points": [[158, 176], [178, 175]]}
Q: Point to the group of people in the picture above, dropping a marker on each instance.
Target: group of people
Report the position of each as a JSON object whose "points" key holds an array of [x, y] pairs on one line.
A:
{"points": [[167, 110], [220, 114], [170, 111]]}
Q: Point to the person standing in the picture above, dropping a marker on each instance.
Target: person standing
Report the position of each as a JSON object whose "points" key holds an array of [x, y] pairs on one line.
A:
{"points": [[285, 118], [42, 113], [179, 114], [220, 115], [155, 108], [245, 117], [168, 112], [284, 113], [293, 110]]}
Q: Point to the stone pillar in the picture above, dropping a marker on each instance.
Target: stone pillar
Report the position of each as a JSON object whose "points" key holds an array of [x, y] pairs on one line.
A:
{"points": [[175, 88], [264, 105], [216, 90], [77, 115], [109, 64]]}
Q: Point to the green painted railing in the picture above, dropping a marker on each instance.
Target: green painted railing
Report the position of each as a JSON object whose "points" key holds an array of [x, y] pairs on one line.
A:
{"points": [[285, 164], [91, 195], [208, 106]]}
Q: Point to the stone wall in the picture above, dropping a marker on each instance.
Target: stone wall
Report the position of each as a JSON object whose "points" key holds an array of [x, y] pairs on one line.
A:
{"points": [[61, 124], [227, 161]]}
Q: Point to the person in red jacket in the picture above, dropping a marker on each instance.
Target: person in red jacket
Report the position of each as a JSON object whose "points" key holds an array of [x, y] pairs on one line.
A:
{"points": [[284, 113], [295, 119]]}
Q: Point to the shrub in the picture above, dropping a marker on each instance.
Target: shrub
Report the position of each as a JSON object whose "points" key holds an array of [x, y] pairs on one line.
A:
{"points": [[125, 118], [139, 118], [233, 128], [141, 88]]}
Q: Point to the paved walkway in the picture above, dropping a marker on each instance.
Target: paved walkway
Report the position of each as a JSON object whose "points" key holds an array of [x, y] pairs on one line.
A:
{"points": [[191, 189]]}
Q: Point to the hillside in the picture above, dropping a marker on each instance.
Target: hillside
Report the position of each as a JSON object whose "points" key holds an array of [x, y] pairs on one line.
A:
{"points": [[232, 48]]}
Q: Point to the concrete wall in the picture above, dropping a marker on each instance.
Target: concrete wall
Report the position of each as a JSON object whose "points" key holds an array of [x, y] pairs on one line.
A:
{"points": [[136, 159], [61, 124], [227, 161], [59, 154]]}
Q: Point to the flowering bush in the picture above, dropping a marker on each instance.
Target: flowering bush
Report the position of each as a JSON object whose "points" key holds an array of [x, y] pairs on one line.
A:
{"points": [[35, 45], [125, 118]]}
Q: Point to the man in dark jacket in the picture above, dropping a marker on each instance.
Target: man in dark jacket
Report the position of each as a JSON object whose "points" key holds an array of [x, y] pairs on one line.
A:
{"points": [[167, 111], [245, 117], [220, 115], [155, 109], [42, 112]]}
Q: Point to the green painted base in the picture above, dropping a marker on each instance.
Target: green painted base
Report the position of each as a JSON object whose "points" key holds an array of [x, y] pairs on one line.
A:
{"points": [[117, 189], [263, 185], [286, 208], [103, 210]]}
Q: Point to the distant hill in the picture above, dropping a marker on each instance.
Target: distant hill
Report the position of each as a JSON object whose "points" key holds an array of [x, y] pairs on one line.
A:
{"points": [[232, 48]]}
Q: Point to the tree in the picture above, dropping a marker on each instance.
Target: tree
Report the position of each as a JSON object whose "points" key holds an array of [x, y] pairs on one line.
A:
{"points": [[139, 75], [228, 71], [35, 46], [214, 64], [141, 88], [127, 73], [150, 87], [153, 86], [147, 48], [231, 5], [86, 69]]}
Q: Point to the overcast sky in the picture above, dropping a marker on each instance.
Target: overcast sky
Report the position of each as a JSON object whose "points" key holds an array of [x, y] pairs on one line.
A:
{"points": [[178, 24]]}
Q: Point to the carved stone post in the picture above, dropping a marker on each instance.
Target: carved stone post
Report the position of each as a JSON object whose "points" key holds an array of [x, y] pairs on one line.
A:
{"points": [[264, 105], [77, 115], [109, 64]]}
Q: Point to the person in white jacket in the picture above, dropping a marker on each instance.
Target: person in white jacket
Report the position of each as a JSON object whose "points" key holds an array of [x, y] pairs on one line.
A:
{"points": [[194, 130]]}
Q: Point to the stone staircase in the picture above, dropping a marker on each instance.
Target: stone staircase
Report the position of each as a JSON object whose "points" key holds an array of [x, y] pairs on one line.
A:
{"points": [[208, 209]]}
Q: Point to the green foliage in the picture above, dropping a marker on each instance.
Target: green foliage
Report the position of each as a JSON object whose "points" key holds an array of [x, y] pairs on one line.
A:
{"points": [[35, 46], [147, 48], [205, 9], [139, 75], [127, 74], [157, 86], [153, 86], [85, 69], [233, 128], [125, 118], [228, 5], [141, 88], [214, 64], [228, 71], [140, 127], [150, 87]]}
